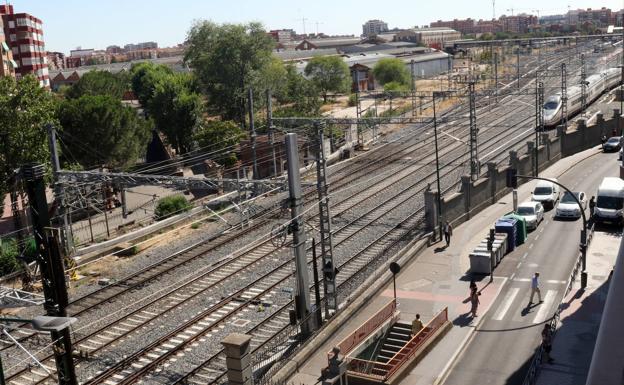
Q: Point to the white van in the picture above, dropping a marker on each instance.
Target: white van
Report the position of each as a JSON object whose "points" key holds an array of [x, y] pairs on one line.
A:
{"points": [[546, 192], [610, 201]]}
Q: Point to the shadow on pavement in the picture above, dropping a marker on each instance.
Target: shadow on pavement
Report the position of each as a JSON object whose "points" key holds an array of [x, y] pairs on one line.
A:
{"points": [[518, 376]]}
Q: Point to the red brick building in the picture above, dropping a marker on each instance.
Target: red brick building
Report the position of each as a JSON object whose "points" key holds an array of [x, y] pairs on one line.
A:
{"points": [[24, 34]]}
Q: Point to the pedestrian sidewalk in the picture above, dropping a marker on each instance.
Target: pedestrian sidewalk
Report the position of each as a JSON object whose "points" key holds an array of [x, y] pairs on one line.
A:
{"points": [[437, 278], [574, 342]]}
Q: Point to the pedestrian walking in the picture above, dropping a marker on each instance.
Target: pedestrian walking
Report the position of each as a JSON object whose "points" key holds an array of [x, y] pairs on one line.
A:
{"points": [[474, 301], [417, 325], [473, 285], [448, 231], [603, 140], [535, 288], [547, 343], [592, 204]]}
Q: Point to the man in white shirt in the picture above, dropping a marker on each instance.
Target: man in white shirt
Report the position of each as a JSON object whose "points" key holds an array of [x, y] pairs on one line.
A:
{"points": [[535, 288]]}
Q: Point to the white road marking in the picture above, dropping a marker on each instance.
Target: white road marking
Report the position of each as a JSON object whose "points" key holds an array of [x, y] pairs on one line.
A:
{"points": [[537, 237], [531, 246], [522, 279], [518, 265], [525, 255], [544, 308], [555, 281], [546, 222], [506, 304], [542, 230], [513, 275]]}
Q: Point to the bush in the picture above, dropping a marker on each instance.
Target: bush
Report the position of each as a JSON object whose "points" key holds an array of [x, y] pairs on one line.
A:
{"points": [[8, 256], [352, 100], [172, 205]]}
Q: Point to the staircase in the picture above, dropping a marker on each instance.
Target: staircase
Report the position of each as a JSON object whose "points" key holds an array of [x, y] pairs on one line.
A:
{"points": [[398, 337]]}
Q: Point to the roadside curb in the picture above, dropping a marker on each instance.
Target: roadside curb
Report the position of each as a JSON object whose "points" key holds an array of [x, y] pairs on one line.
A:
{"points": [[367, 291]]}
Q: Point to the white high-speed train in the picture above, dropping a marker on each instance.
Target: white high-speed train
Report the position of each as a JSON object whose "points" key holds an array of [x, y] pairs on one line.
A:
{"points": [[597, 84]]}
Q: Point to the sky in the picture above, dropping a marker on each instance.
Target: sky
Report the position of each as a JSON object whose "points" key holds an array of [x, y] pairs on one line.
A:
{"points": [[68, 24]]}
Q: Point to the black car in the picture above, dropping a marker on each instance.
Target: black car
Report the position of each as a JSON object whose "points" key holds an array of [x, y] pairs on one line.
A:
{"points": [[613, 144]]}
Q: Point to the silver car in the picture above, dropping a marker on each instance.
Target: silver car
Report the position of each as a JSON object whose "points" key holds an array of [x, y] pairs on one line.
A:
{"points": [[568, 208], [532, 212]]}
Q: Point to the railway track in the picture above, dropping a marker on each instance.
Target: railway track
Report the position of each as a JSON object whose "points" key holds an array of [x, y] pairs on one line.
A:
{"points": [[395, 157]]}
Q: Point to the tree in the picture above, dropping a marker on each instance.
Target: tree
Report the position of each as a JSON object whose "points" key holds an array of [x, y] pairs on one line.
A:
{"points": [[227, 59], [218, 138], [25, 109], [389, 70], [100, 83], [300, 95], [144, 77], [102, 131], [176, 110], [329, 74]]}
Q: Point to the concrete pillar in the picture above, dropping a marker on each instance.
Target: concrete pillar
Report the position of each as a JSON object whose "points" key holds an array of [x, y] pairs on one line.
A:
{"points": [[619, 93], [431, 209], [546, 145], [560, 130], [513, 159], [493, 177], [531, 153], [582, 129], [238, 360], [466, 188]]}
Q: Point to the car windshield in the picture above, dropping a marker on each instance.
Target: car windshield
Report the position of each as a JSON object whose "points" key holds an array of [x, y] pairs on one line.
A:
{"points": [[614, 141], [543, 191], [613, 203], [568, 198], [551, 105], [525, 210]]}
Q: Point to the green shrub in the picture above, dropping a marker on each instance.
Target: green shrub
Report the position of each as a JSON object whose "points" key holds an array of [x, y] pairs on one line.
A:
{"points": [[352, 100], [195, 225], [172, 205], [8, 256]]}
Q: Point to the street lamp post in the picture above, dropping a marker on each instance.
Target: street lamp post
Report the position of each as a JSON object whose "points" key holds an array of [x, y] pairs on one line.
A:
{"points": [[39, 323], [437, 158]]}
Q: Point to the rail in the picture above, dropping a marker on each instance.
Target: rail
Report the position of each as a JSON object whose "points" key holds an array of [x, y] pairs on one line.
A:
{"points": [[383, 371], [372, 324], [534, 368]]}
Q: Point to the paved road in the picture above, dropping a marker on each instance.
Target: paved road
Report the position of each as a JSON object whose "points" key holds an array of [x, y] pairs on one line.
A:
{"points": [[500, 350]]}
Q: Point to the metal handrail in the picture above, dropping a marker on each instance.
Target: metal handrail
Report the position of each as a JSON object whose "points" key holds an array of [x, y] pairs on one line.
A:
{"points": [[355, 365]]}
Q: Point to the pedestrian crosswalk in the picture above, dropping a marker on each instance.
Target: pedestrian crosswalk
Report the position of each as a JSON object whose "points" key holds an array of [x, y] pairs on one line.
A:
{"points": [[514, 306]]}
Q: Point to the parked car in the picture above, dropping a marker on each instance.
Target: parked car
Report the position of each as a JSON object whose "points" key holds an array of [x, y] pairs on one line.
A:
{"points": [[546, 192], [568, 208], [621, 154], [613, 144], [532, 212]]}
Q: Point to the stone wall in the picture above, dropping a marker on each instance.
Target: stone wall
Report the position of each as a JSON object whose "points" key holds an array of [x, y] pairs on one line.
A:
{"points": [[489, 188]]}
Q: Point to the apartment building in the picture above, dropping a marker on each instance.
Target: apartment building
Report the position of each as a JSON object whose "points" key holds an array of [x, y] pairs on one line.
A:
{"points": [[374, 27], [7, 64], [24, 36]]}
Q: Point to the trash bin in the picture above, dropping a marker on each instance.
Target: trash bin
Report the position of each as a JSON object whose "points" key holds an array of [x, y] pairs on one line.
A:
{"points": [[480, 262], [508, 226]]}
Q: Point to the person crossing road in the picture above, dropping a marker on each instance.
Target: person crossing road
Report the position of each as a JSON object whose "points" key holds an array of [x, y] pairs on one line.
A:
{"points": [[535, 289]]}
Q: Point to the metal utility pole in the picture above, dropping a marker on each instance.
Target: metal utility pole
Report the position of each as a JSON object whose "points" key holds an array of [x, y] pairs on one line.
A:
{"points": [[252, 128], [540, 123], [496, 76], [327, 249], [518, 68], [270, 130], [474, 153], [564, 97], [413, 88], [52, 270], [358, 109], [437, 158], [583, 85], [59, 192], [302, 297]]}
